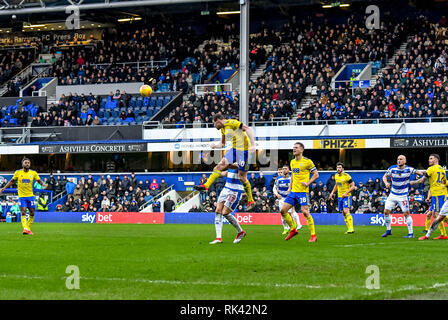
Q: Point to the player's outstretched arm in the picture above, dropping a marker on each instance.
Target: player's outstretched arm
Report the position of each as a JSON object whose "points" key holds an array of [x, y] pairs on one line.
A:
{"points": [[420, 172], [250, 134], [418, 181], [219, 145], [7, 185], [41, 183]]}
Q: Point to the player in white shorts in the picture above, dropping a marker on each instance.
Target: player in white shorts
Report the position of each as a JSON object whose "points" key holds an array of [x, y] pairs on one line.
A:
{"points": [[399, 196], [227, 202], [280, 190]]}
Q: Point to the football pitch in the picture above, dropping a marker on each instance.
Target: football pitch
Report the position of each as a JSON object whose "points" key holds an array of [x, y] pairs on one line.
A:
{"points": [[176, 262]]}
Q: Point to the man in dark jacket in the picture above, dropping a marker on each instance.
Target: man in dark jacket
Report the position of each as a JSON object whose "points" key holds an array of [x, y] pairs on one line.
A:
{"points": [[163, 185], [168, 205]]}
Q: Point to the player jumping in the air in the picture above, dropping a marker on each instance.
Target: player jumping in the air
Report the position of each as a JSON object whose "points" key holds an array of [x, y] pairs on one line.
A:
{"points": [[344, 185], [437, 188], [400, 180], [227, 202], [243, 143], [298, 192], [280, 190], [25, 179]]}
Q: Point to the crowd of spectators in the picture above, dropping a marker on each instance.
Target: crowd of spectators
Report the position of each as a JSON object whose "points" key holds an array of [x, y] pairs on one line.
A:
{"points": [[104, 194], [415, 86], [14, 60], [302, 53], [80, 110], [103, 63]]}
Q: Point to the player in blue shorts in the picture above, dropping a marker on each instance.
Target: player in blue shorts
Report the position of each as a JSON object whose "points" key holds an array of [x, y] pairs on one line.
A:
{"points": [[25, 179]]}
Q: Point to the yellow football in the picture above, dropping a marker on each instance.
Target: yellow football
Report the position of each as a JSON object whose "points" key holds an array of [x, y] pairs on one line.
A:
{"points": [[145, 90]]}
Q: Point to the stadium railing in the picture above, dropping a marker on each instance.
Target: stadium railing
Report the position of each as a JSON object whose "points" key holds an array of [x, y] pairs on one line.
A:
{"points": [[138, 64], [157, 196], [184, 199], [287, 121], [282, 121]]}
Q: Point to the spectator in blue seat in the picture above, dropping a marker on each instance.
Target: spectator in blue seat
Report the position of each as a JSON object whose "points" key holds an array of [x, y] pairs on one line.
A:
{"points": [[130, 114]]}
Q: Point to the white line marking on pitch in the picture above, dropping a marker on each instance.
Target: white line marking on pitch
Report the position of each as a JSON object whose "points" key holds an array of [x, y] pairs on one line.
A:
{"points": [[178, 282], [368, 244]]}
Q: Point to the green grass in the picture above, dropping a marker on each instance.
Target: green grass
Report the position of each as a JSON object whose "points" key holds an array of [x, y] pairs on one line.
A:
{"points": [[176, 262]]}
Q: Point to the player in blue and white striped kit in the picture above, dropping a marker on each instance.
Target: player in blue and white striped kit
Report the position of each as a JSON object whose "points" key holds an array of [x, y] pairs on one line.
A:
{"points": [[227, 202], [400, 175], [280, 190]]}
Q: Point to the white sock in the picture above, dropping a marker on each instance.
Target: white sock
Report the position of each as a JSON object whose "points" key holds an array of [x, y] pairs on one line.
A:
{"points": [[296, 217], [285, 225], [388, 220], [433, 227], [409, 223], [218, 225], [233, 222]]}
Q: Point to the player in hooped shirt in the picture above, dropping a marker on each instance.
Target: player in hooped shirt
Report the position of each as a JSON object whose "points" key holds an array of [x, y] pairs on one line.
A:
{"points": [[227, 202], [399, 175]]}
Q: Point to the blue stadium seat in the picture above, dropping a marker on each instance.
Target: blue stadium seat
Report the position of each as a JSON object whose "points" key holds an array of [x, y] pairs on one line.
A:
{"points": [[139, 103], [100, 114], [115, 114]]}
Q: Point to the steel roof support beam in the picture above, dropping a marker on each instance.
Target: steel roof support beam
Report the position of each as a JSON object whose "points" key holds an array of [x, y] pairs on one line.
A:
{"points": [[103, 5]]}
